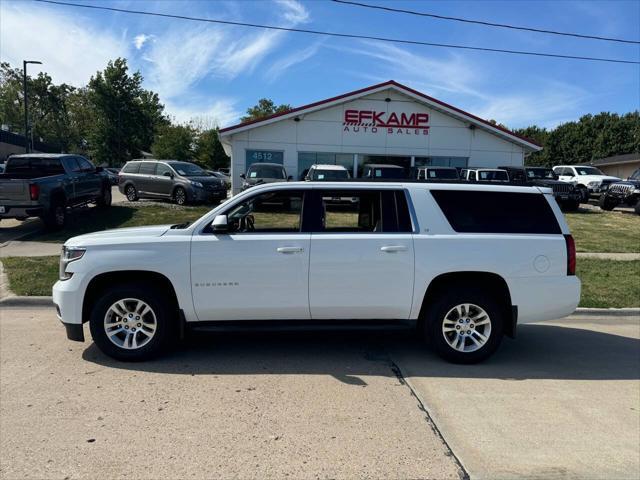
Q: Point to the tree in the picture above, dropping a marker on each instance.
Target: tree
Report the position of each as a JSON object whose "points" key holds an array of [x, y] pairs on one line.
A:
{"points": [[175, 142], [209, 151], [126, 117], [264, 108]]}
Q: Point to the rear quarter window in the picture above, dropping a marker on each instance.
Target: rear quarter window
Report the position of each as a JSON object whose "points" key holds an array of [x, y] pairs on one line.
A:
{"points": [[496, 212], [131, 167]]}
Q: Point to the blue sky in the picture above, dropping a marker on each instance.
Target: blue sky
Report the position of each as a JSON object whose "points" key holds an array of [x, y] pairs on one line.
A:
{"points": [[215, 72]]}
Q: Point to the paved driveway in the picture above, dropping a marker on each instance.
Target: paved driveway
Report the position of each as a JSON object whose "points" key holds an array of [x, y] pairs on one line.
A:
{"points": [[560, 402]]}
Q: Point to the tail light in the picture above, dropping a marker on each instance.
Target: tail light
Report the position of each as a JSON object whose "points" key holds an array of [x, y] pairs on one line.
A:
{"points": [[571, 254], [34, 191]]}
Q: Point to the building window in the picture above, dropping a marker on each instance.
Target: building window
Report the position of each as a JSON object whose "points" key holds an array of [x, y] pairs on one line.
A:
{"points": [[306, 159], [401, 161], [457, 162]]}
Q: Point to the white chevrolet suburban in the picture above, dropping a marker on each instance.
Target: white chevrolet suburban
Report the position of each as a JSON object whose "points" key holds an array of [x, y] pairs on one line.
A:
{"points": [[464, 263]]}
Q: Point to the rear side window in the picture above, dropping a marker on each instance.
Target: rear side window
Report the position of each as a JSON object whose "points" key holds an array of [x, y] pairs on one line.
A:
{"points": [[131, 167], [34, 166], [148, 168], [496, 212]]}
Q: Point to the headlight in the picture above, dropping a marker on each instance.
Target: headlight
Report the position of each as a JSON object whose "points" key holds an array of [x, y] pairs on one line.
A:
{"points": [[593, 184], [69, 254], [196, 184]]}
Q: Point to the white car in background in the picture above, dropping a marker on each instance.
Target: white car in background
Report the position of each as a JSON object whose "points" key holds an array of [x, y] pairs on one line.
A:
{"points": [[591, 181], [484, 175], [327, 173]]}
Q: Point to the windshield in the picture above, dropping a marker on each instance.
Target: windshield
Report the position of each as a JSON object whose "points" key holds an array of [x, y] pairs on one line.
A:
{"points": [[188, 169], [34, 165], [265, 171], [588, 171], [329, 175], [541, 173], [444, 173], [497, 175]]}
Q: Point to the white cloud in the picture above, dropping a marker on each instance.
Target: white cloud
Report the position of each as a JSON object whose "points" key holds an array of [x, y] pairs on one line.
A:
{"points": [[294, 11], [278, 67], [214, 113], [140, 40], [71, 48]]}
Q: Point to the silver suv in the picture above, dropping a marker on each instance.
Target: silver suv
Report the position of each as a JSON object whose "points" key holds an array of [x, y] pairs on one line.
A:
{"points": [[182, 182]]}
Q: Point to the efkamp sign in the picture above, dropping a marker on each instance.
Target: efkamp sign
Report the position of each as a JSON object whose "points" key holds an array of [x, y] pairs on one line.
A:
{"points": [[389, 122]]}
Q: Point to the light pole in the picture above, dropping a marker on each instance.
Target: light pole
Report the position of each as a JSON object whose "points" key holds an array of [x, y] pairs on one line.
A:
{"points": [[26, 112]]}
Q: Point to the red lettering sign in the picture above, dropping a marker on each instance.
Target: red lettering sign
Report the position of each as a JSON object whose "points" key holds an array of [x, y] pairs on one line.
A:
{"points": [[384, 119]]}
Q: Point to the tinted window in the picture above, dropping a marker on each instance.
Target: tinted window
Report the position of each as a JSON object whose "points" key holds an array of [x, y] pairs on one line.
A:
{"points": [[328, 175], [496, 212], [131, 167], [540, 173], [162, 169], [148, 168], [34, 166], [187, 169], [444, 174], [85, 165], [266, 171], [277, 212], [493, 175], [588, 171]]}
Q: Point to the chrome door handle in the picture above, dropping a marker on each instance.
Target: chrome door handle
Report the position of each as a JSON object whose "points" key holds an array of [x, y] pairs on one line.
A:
{"points": [[393, 248], [290, 249]]}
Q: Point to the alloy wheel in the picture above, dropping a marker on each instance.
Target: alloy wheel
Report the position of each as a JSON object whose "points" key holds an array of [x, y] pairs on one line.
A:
{"points": [[466, 327], [130, 323]]}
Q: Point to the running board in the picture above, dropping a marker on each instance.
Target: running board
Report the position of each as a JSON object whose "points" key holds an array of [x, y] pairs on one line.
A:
{"points": [[299, 325]]}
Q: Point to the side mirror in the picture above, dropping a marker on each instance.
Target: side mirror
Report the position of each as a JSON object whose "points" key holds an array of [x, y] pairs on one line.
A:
{"points": [[289, 178], [220, 224], [243, 176], [168, 174]]}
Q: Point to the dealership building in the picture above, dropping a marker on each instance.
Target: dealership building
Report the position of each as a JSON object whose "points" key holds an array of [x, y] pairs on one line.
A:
{"points": [[384, 123]]}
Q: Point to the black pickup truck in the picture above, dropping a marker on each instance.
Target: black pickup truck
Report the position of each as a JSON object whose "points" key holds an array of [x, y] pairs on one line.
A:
{"points": [[567, 196], [44, 185], [624, 193]]}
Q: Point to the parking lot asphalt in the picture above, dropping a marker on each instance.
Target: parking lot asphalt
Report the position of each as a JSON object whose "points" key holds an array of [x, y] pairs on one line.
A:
{"points": [[562, 401]]}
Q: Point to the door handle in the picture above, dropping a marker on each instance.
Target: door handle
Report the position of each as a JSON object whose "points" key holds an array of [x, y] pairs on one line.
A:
{"points": [[393, 248], [290, 249]]}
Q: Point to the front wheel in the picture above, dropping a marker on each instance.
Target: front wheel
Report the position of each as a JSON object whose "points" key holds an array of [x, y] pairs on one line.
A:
{"points": [[584, 194], [132, 323], [180, 196], [606, 203], [464, 326], [637, 208]]}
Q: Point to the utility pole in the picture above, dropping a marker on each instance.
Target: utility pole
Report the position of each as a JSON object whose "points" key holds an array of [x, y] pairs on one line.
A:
{"points": [[26, 108]]}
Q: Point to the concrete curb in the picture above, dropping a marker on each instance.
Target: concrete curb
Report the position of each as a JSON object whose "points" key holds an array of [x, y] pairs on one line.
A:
{"points": [[614, 312], [16, 301]]}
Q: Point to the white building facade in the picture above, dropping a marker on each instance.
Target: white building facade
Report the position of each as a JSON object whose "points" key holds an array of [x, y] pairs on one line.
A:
{"points": [[384, 123]]}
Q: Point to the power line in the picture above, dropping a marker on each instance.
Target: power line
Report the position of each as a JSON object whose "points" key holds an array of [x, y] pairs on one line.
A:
{"points": [[340, 35], [488, 24]]}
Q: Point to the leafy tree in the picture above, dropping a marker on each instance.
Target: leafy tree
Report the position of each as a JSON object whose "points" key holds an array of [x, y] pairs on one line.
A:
{"points": [[264, 108], [126, 116], [175, 142], [209, 151]]}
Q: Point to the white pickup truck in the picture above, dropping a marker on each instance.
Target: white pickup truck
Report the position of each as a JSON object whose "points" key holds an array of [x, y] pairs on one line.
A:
{"points": [[464, 263], [590, 181]]}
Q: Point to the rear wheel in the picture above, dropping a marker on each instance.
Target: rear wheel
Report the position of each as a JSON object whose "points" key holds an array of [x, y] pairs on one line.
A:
{"points": [[56, 216], [131, 193], [180, 196], [132, 323], [465, 325]]}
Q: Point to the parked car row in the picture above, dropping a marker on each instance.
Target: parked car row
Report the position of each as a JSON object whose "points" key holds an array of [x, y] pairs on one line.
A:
{"points": [[623, 193]]}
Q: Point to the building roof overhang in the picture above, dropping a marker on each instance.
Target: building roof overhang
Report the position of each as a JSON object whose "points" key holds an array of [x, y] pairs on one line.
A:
{"points": [[419, 97]]}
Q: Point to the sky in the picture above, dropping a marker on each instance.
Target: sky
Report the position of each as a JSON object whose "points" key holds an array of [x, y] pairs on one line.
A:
{"points": [[215, 72]]}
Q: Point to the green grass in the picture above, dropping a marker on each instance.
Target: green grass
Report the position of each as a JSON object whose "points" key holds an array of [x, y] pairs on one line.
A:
{"points": [[600, 231], [31, 275], [605, 283], [118, 216], [609, 284]]}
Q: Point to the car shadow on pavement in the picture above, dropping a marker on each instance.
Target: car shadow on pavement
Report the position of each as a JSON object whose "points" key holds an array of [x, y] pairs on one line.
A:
{"points": [[540, 352]]}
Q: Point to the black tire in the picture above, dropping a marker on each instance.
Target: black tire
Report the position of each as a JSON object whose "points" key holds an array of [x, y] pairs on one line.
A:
{"points": [[637, 207], [131, 193], [180, 196], [440, 309], [104, 200], [606, 203], [570, 206], [584, 194], [165, 316], [56, 217]]}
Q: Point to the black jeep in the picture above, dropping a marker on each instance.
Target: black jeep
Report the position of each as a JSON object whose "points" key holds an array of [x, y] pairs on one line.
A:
{"points": [[623, 193], [567, 196]]}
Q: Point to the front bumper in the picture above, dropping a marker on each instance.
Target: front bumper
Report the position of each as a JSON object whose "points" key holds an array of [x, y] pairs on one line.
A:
{"points": [[568, 196], [68, 303]]}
